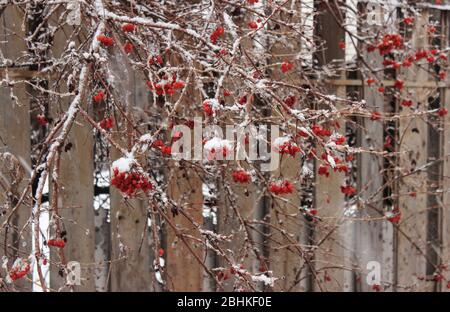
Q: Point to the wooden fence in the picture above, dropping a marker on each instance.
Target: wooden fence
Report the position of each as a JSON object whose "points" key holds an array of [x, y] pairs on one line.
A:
{"points": [[411, 175]]}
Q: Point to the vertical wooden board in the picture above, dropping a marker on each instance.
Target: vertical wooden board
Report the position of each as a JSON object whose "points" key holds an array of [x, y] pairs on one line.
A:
{"points": [[130, 249], [412, 145], [286, 232], [76, 182], [374, 237], [329, 200], [411, 263], [130, 264], [183, 269], [370, 238], [75, 205], [241, 200], [330, 258], [15, 133]]}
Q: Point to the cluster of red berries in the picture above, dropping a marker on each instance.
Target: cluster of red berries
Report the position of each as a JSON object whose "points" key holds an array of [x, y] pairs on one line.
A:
{"points": [[130, 182], [216, 34], [408, 20], [19, 270], [105, 40], [286, 66], [155, 59], [41, 120], [243, 100], [165, 149], [388, 143], [288, 148], [56, 242], [389, 43], [406, 103], [107, 123], [319, 131], [208, 108], [241, 176], [290, 100], [128, 47], [167, 87], [348, 190], [128, 27], [375, 115], [324, 170], [442, 111], [99, 96], [339, 139], [281, 187], [253, 25], [394, 217], [399, 84]]}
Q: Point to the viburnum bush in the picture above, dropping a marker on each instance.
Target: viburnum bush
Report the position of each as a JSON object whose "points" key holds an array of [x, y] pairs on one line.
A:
{"points": [[135, 70]]}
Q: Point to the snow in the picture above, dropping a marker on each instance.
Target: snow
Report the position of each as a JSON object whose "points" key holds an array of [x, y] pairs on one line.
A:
{"points": [[123, 164], [74, 15], [280, 141], [217, 144], [331, 161], [306, 172], [269, 281], [214, 103], [158, 277]]}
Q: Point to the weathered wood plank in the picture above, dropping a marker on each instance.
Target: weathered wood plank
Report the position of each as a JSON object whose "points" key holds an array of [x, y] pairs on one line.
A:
{"points": [[329, 257], [374, 236], [184, 273], [15, 138], [411, 269]]}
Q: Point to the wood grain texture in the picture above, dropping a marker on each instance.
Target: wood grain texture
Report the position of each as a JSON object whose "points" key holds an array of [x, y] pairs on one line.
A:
{"points": [[15, 138], [413, 147]]}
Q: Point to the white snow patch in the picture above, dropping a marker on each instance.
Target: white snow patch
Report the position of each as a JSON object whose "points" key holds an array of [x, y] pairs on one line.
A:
{"points": [[123, 164]]}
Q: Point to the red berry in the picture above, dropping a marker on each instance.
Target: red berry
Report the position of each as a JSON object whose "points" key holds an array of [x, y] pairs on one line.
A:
{"points": [[128, 27], [253, 25], [286, 66], [375, 115], [442, 111], [281, 187], [128, 47], [107, 41], [216, 34], [41, 120], [57, 242], [241, 176], [348, 190], [99, 96]]}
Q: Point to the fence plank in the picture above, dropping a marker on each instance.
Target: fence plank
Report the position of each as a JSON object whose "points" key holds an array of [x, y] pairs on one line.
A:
{"points": [[130, 254], [374, 236], [15, 135], [329, 258], [130, 249], [411, 244], [183, 270]]}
